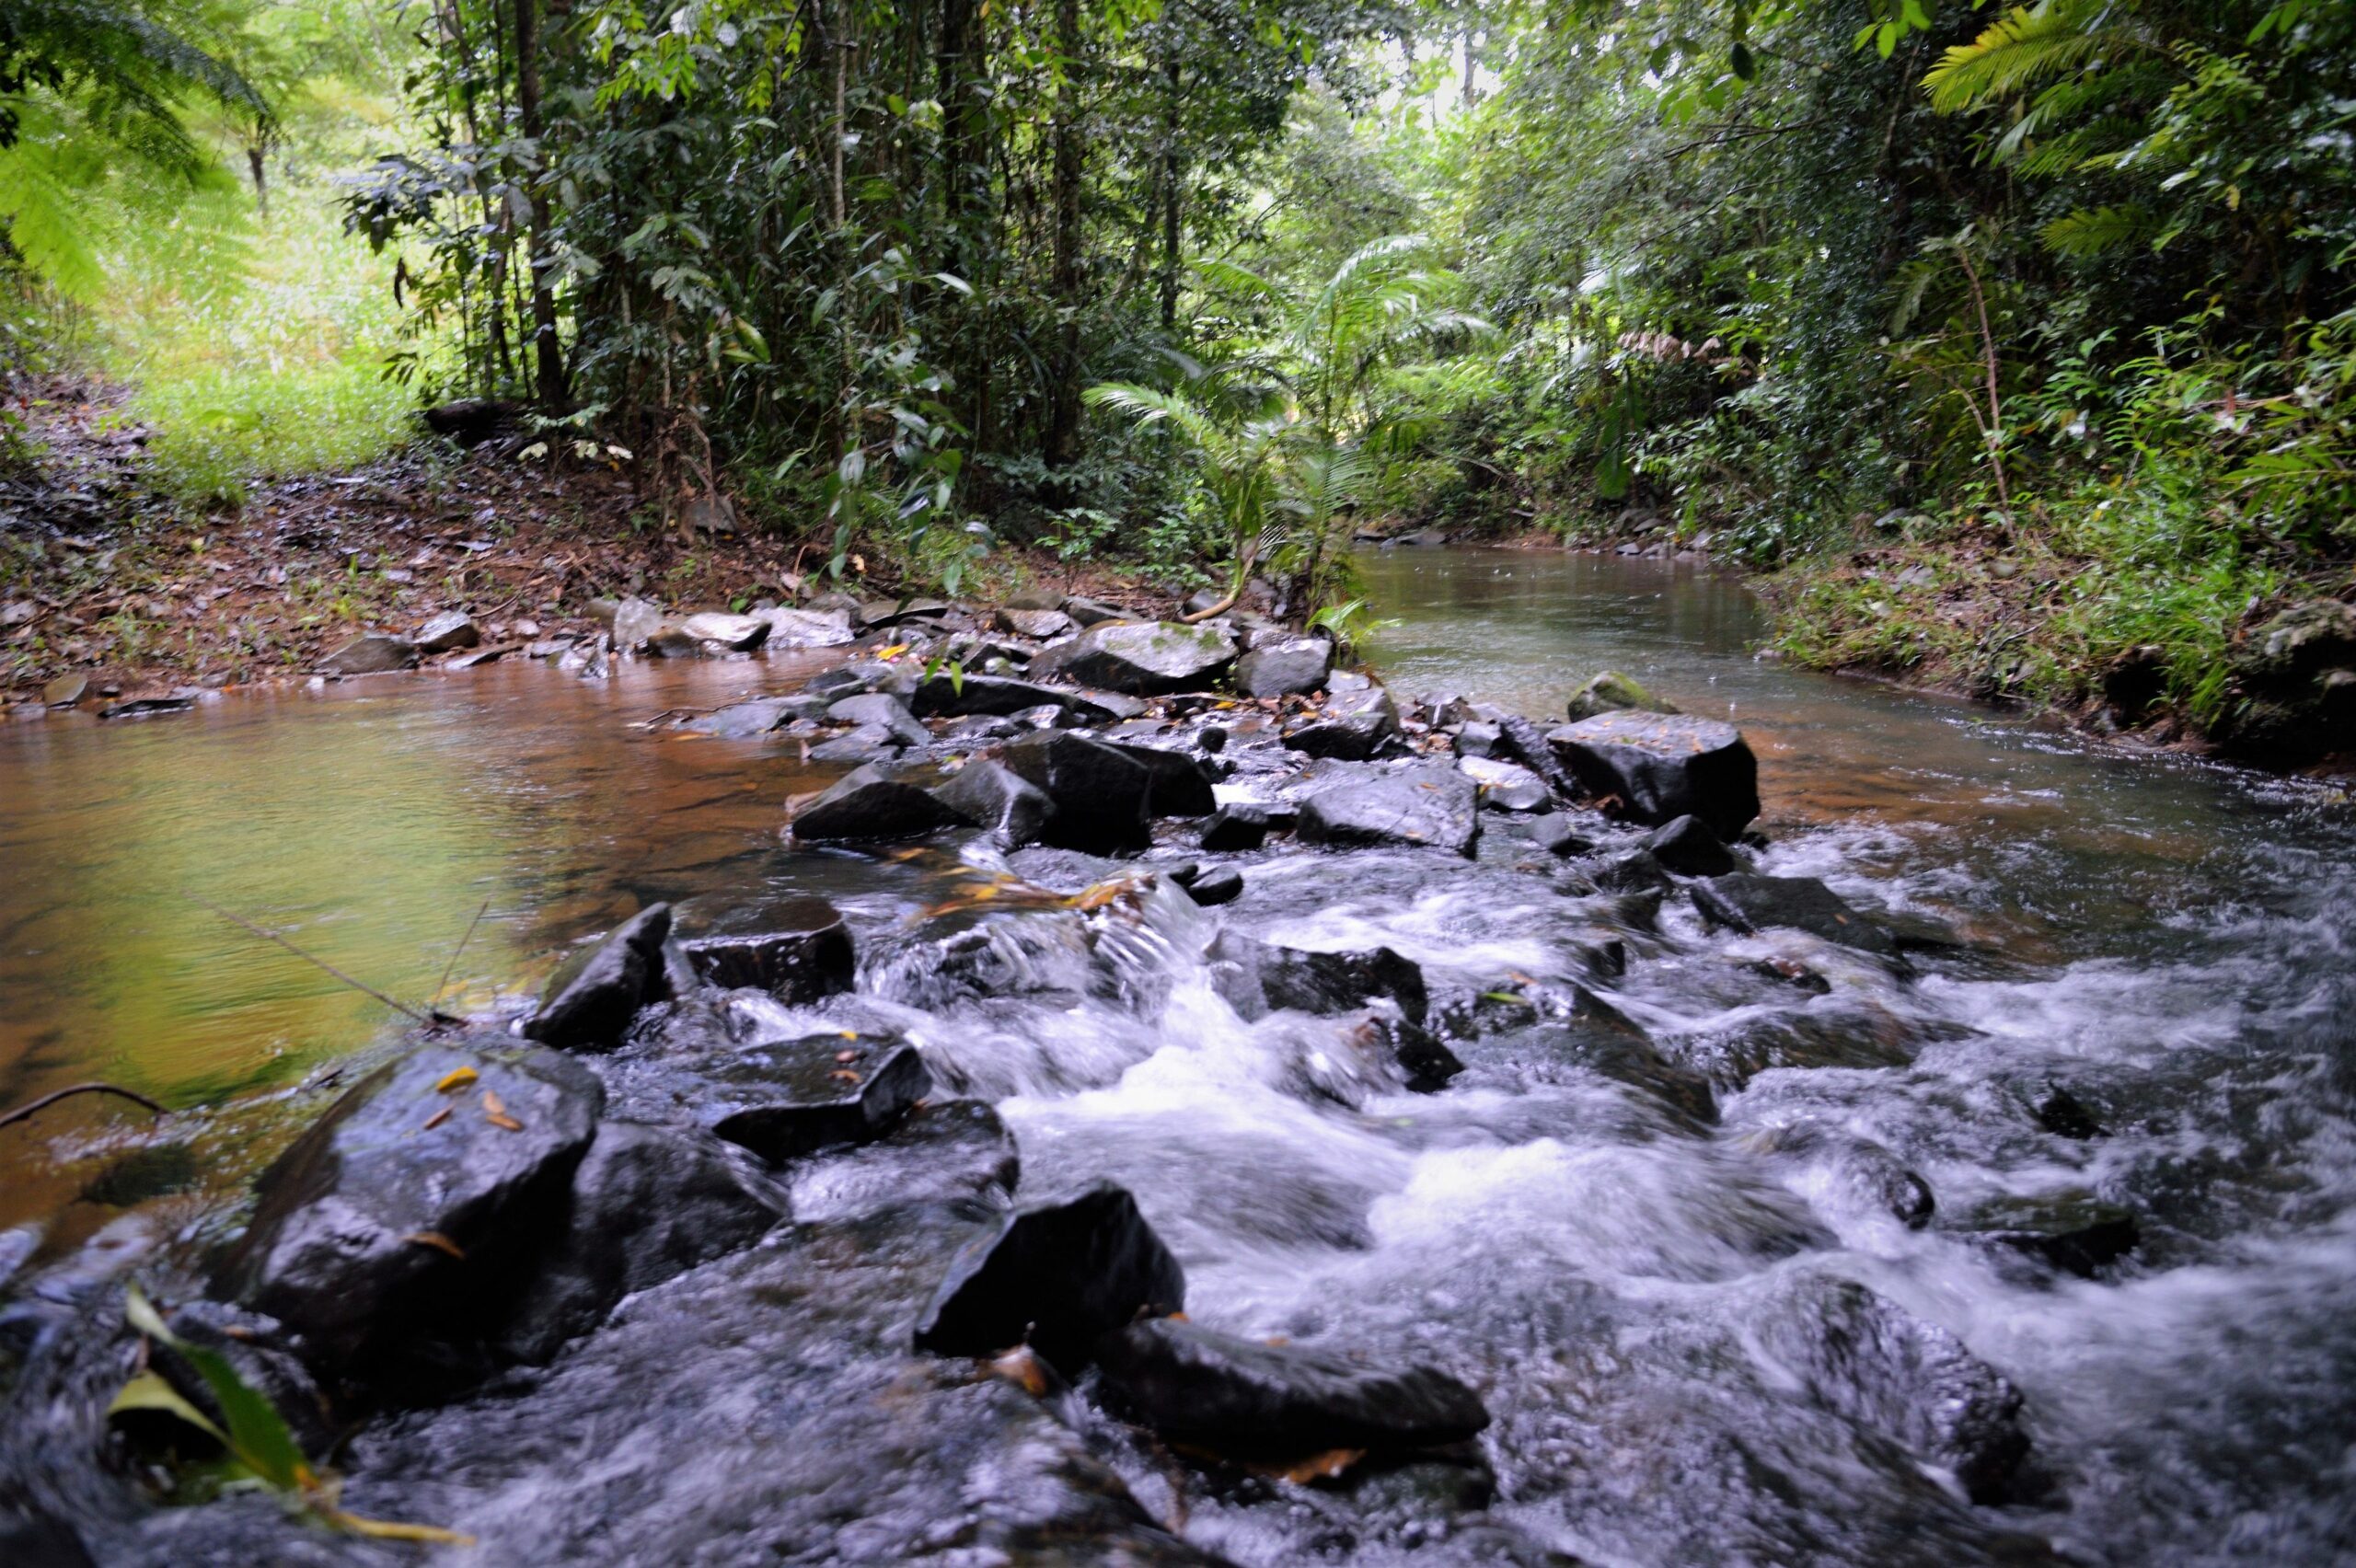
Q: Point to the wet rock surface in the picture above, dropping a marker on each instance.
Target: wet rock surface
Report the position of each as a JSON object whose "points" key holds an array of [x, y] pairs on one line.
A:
{"points": [[1425, 805], [1660, 766], [1141, 657], [592, 997]]}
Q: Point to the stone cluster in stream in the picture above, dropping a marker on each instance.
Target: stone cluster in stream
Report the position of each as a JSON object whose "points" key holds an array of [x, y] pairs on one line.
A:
{"points": [[473, 1232]]}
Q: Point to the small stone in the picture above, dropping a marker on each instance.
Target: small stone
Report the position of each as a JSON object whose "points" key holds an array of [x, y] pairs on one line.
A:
{"points": [[1224, 885], [1039, 625], [801, 952], [636, 621], [371, 654], [735, 632], [1747, 903], [1687, 847], [1612, 692], [1236, 826], [1141, 658], [592, 997], [448, 630], [66, 690], [1283, 667]]}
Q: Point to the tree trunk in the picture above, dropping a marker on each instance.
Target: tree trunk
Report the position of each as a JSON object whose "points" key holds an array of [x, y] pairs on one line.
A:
{"points": [[255, 153], [548, 346], [1173, 178], [965, 184], [1063, 422]]}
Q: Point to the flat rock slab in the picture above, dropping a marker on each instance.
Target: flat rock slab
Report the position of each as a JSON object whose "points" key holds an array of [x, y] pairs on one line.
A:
{"points": [[592, 997], [807, 629], [1749, 902], [400, 1210], [1428, 804], [1660, 766], [1142, 658], [1245, 1399], [1056, 1276], [794, 1098], [869, 802], [799, 951], [374, 653], [741, 720]]}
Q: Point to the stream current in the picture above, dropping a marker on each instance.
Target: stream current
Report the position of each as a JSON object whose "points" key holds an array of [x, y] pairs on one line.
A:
{"points": [[2168, 942]]}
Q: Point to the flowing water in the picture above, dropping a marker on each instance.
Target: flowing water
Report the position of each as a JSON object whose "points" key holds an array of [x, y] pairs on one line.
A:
{"points": [[1632, 1290]]}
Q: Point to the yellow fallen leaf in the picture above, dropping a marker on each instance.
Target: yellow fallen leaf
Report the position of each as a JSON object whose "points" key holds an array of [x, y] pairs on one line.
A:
{"points": [[457, 1078], [386, 1529], [894, 651]]}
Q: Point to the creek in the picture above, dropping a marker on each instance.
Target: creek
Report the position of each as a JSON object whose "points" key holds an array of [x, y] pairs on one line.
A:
{"points": [[1638, 1293]]}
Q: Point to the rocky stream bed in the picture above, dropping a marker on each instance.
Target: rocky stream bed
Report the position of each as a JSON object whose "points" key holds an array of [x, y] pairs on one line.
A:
{"points": [[1275, 1142]]}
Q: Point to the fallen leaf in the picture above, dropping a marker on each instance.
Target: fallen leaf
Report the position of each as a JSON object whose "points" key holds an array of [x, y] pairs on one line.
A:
{"points": [[504, 1122], [846, 1055], [491, 1104], [457, 1078], [1322, 1467], [438, 1241], [438, 1118], [894, 651], [845, 1074], [1021, 1369]]}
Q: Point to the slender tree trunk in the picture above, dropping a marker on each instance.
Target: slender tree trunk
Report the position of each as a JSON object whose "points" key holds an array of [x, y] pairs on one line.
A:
{"points": [[547, 345], [964, 182], [254, 155], [1173, 178], [1063, 422]]}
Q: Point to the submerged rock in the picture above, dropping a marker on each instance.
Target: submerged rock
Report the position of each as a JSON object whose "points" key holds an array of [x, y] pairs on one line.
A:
{"points": [[943, 1151], [1143, 658], [1662, 766], [2075, 1234], [1428, 803], [1242, 1399], [870, 802], [1748, 902], [590, 999], [405, 1213], [1055, 1277], [799, 1096], [1611, 692], [1257, 977]]}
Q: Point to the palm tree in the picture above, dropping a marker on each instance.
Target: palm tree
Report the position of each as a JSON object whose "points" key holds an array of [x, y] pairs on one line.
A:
{"points": [[1285, 473]]}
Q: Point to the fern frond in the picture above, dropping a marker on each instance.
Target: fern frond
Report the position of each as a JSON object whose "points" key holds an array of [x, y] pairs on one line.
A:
{"points": [[2092, 231], [2020, 48], [42, 223]]}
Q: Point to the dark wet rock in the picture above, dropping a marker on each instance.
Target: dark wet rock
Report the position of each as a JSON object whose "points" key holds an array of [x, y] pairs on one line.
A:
{"points": [[1056, 1276], [257, 1348], [796, 1097], [1428, 803], [1002, 695], [1102, 795], [1523, 743], [999, 800], [590, 999], [1180, 787], [834, 685], [806, 628], [1611, 692], [871, 803], [1222, 886], [1283, 666], [1257, 977], [1478, 737], [801, 952], [1039, 624], [1142, 658], [2077, 1235], [1747, 903], [1569, 1025], [1907, 1380], [1236, 826], [2061, 1113], [1352, 728], [1242, 1399], [1687, 847], [1662, 766], [867, 744], [647, 1203], [1864, 1172], [404, 1214], [2298, 672], [451, 628], [371, 653], [1419, 1054], [30, 1539], [1505, 786], [941, 1151], [1093, 612], [1557, 834]]}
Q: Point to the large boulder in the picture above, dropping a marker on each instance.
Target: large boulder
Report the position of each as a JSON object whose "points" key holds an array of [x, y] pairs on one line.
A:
{"points": [[1660, 766], [646, 1203], [371, 653], [870, 802], [797, 1097], [999, 800], [1245, 1399], [593, 995], [1282, 666], [797, 951], [1141, 657], [1102, 796], [402, 1217], [1748, 902], [2297, 674], [1426, 804], [1056, 1276]]}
